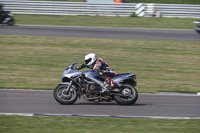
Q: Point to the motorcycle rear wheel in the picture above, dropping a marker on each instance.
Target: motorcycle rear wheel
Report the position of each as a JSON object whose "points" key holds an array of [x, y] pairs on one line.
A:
{"points": [[128, 95], [62, 97]]}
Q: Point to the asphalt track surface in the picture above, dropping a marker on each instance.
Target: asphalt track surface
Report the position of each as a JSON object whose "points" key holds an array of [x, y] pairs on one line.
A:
{"points": [[42, 102], [101, 32]]}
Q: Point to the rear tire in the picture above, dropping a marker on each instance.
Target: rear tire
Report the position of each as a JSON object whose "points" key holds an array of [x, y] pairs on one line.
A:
{"points": [[128, 95], [62, 97]]}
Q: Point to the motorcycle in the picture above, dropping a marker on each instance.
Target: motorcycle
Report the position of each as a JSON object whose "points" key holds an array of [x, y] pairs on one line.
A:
{"points": [[198, 26], [6, 17], [75, 84]]}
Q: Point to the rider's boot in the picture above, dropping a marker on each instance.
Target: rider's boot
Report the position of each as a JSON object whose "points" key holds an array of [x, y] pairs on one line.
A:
{"points": [[104, 88], [110, 85]]}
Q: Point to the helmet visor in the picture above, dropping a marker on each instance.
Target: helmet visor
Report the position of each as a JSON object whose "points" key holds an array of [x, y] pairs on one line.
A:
{"points": [[88, 61]]}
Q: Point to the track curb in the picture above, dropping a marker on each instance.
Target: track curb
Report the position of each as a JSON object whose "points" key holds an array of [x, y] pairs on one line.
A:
{"points": [[102, 116]]}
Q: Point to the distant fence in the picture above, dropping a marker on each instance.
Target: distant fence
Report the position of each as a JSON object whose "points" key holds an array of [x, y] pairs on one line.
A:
{"points": [[101, 9], [178, 10]]}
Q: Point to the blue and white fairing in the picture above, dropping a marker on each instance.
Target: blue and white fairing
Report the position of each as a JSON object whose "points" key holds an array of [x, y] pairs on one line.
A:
{"points": [[91, 73], [122, 77], [70, 72]]}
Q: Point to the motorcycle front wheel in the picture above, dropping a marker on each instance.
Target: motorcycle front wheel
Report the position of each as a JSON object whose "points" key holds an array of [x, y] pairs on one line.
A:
{"points": [[63, 97], [127, 96]]}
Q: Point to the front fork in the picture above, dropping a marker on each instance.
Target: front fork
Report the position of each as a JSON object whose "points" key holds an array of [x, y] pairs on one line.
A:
{"points": [[70, 84]]}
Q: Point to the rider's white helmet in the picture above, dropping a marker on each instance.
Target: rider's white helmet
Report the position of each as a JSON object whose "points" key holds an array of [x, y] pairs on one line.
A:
{"points": [[90, 59]]}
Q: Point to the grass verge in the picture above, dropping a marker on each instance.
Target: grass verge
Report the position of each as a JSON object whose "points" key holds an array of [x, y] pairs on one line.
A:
{"points": [[103, 21], [21, 124], [37, 62]]}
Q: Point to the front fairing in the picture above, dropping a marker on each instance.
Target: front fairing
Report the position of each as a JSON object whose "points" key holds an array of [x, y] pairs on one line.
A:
{"points": [[70, 73]]}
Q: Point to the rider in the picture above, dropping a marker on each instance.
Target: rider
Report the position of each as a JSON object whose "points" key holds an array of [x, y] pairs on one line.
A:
{"points": [[103, 69]]}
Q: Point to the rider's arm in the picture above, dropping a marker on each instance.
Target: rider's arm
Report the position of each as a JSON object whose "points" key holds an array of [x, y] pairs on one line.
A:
{"points": [[81, 67], [97, 66]]}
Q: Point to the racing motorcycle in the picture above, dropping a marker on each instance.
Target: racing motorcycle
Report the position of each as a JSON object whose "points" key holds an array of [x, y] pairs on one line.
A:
{"points": [[75, 84], [198, 26], [6, 17]]}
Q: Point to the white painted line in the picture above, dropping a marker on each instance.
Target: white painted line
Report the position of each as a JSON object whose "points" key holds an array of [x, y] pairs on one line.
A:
{"points": [[25, 90], [109, 116], [177, 94], [159, 117], [170, 94], [20, 114], [69, 115]]}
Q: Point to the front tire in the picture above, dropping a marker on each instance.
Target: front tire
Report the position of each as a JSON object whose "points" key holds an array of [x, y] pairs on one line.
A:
{"points": [[62, 97], [127, 96]]}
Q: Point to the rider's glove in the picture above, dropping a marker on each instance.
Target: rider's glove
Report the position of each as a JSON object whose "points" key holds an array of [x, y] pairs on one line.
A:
{"points": [[81, 67]]}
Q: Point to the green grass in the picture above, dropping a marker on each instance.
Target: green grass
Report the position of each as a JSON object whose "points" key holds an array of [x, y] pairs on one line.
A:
{"points": [[20, 124], [38, 62], [102, 21]]}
